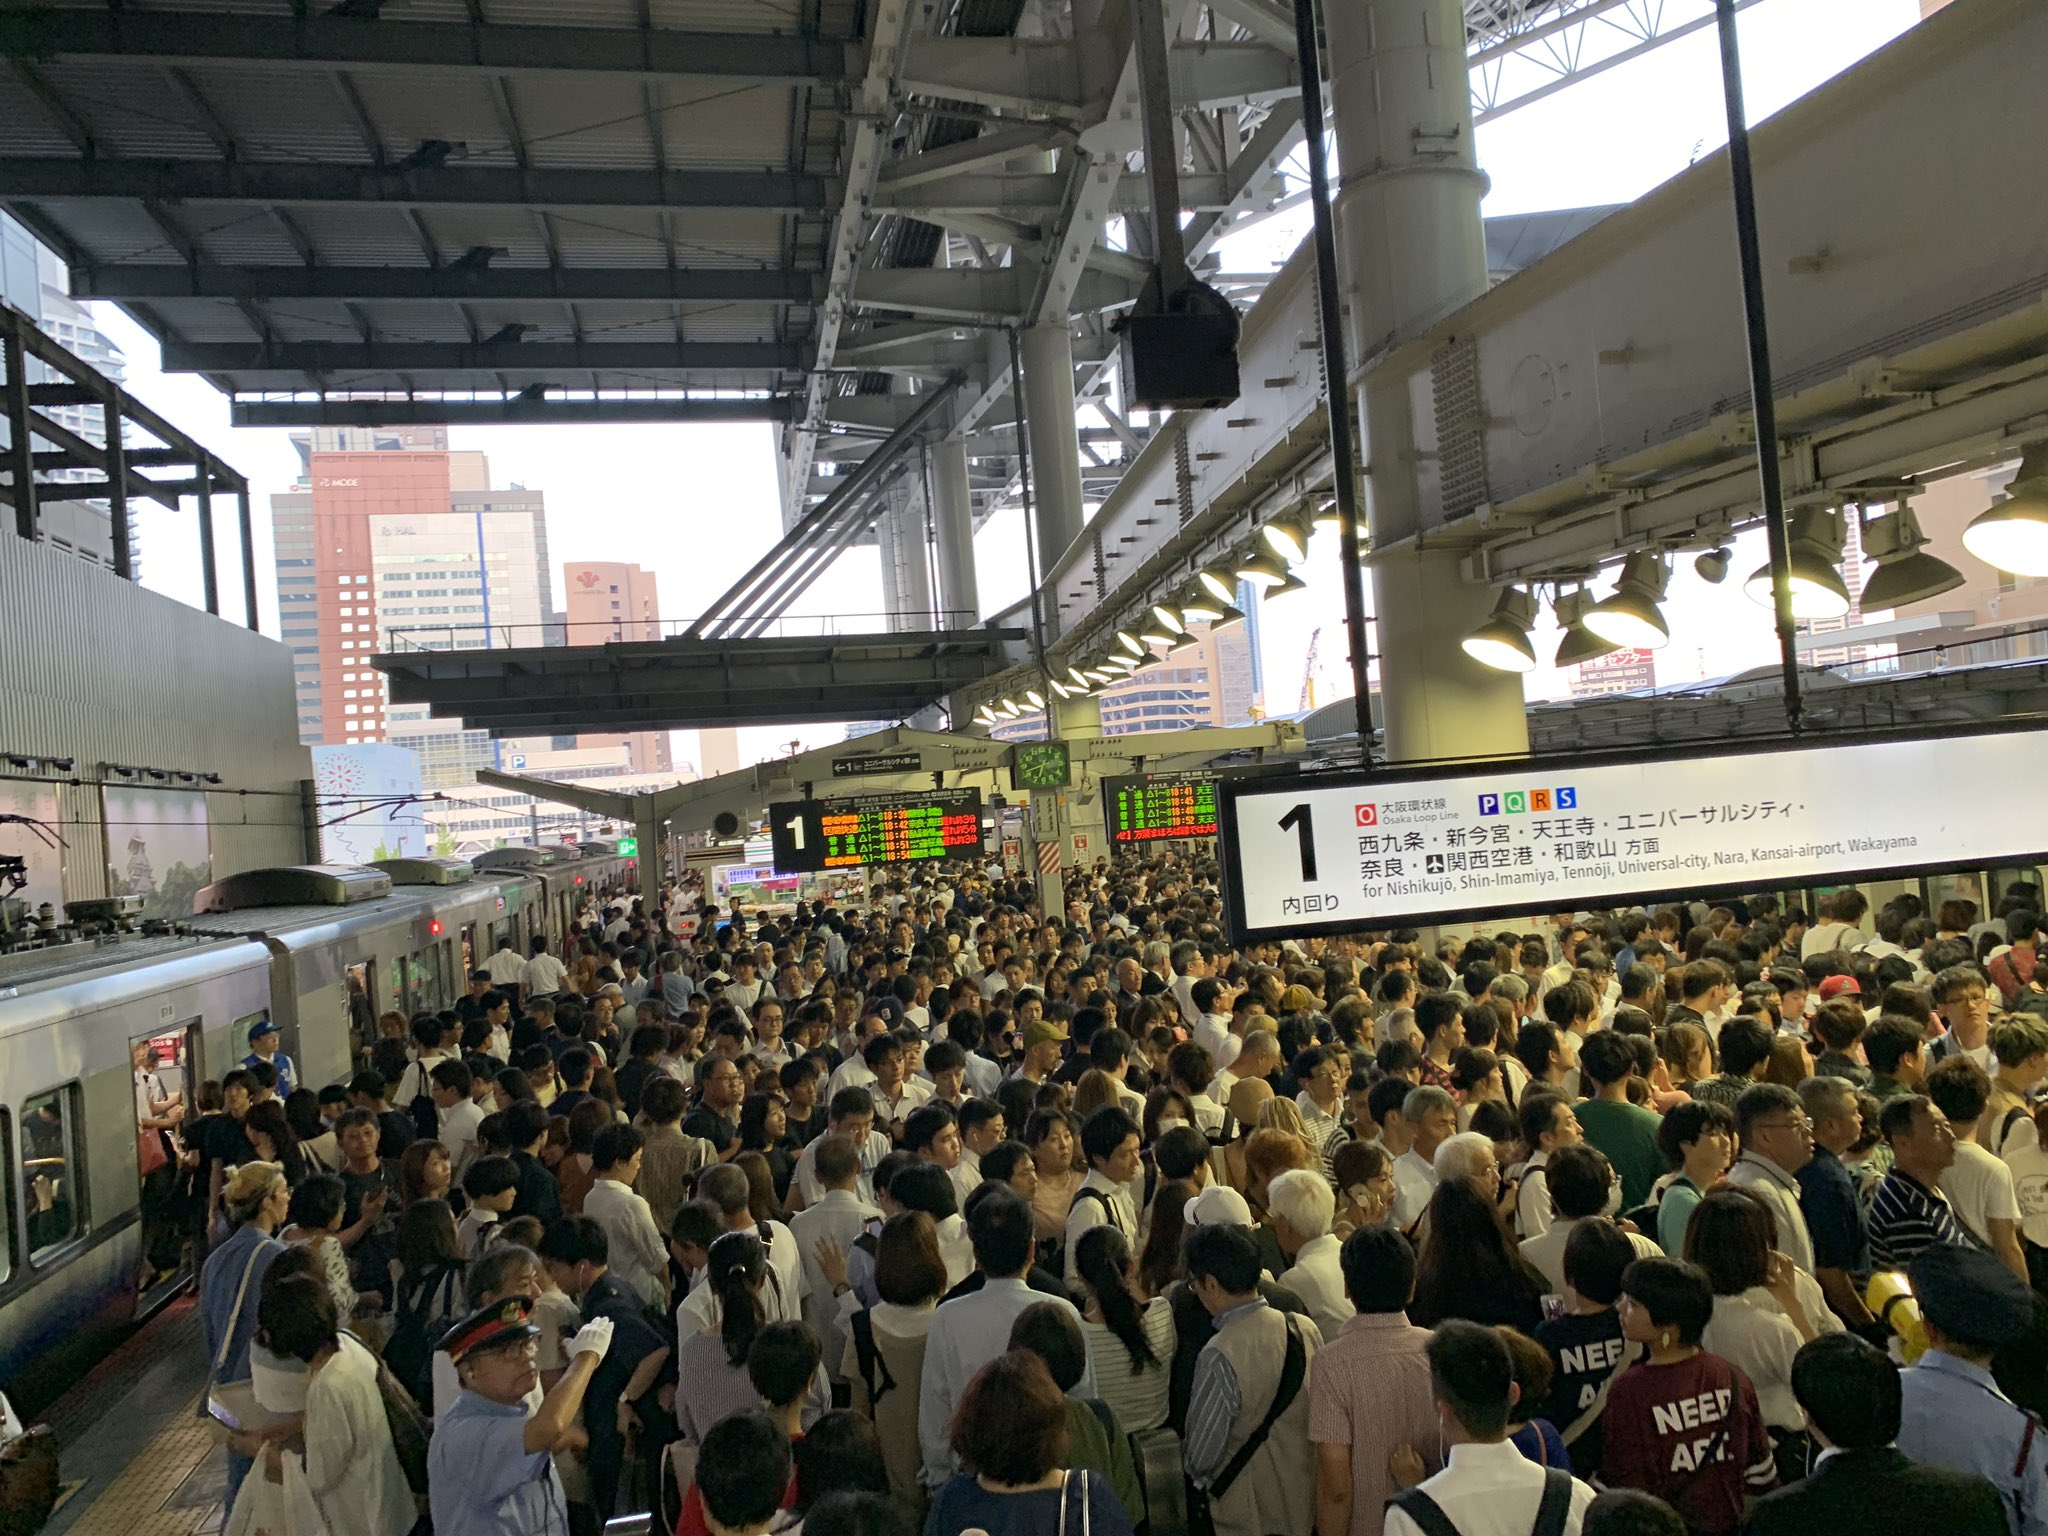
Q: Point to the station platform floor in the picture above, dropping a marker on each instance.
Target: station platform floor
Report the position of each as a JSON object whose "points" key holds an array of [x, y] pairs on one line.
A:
{"points": [[134, 1459]]}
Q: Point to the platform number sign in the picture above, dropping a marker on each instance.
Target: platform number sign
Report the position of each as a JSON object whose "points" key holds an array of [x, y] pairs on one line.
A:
{"points": [[810, 836]]}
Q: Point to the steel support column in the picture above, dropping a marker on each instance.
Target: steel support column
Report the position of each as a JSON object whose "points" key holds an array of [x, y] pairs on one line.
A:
{"points": [[248, 532], [119, 531], [1414, 250], [21, 459], [209, 563], [1055, 442], [953, 523]]}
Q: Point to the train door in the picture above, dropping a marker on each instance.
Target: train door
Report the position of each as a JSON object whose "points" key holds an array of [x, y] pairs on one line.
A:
{"points": [[470, 958], [165, 1067], [362, 1008]]}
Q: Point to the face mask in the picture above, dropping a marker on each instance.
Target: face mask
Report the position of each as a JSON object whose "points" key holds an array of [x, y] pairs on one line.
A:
{"points": [[1170, 1123]]}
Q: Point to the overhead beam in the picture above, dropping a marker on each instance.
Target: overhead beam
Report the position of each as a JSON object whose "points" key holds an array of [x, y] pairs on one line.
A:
{"points": [[52, 180], [318, 357], [450, 283], [232, 39], [970, 293], [508, 412], [1073, 79]]}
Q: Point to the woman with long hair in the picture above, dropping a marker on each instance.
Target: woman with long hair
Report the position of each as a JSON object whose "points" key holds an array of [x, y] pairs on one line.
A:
{"points": [[1130, 1337], [315, 1221], [426, 1289], [271, 1135], [1159, 1263], [230, 1288], [316, 1136], [713, 1362], [1470, 1267], [764, 1127], [1050, 1136], [885, 1344], [762, 1203]]}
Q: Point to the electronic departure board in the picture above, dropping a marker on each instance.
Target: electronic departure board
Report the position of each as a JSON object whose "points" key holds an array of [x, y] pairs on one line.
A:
{"points": [[813, 835], [1143, 810]]}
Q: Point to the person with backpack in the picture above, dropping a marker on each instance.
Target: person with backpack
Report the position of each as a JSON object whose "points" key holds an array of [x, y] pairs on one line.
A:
{"points": [[426, 1293], [439, 1038], [1109, 1140], [884, 1354], [1096, 1441], [1487, 1487]]}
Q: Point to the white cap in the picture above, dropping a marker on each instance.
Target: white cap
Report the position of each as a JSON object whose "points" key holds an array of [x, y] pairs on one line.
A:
{"points": [[1218, 1206]]}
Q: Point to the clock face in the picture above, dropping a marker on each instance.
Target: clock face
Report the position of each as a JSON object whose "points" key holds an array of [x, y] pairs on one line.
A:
{"points": [[1041, 765]]}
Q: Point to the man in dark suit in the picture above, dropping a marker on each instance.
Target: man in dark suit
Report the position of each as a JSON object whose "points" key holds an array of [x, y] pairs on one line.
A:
{"points": [[1850, 1393]]}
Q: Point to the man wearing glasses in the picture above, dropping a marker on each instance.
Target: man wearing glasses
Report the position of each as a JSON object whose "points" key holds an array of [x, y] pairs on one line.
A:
{"points": [[1777, 1141]]}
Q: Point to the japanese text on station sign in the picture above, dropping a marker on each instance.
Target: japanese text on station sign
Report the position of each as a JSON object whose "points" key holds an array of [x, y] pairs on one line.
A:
{"points": [[817, 835], [1346, 851], [1144, 810]]}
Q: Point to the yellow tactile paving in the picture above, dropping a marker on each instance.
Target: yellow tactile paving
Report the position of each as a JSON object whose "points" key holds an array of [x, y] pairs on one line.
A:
{"points": [[139, 1501]]}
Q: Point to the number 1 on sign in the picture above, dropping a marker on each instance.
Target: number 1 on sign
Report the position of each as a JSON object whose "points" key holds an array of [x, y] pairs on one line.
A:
{"points": [[1300, 820], [796, 832]]}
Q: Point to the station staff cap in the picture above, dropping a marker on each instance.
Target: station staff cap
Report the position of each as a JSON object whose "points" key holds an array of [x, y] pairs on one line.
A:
{"points": [[510, 1318], [1971, 1296]]}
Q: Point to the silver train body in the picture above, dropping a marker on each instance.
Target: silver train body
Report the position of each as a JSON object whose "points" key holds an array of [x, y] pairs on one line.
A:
{"points": [[306, 949]]}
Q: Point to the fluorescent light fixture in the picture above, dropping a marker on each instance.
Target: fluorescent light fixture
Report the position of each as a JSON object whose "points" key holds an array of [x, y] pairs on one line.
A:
{"points": [[1060, 689], [1130, 642], [1632, 614], [1286, 586], [1034, 698], [1077, 677], [1229, 615], [1818, 591], [2013, 535], [1219, 584], [1502, 642], [1200, 606], [1009, 709]]}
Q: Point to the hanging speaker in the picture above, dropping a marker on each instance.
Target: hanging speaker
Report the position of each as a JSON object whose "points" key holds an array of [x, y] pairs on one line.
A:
{"points": [[725, 824]]}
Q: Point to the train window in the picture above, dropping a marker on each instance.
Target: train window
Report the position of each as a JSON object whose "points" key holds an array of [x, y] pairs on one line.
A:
{"points": [[426, 979], [399, 1003], [1942, 889], [362, 1013], [470, 958], [50, 1174]]}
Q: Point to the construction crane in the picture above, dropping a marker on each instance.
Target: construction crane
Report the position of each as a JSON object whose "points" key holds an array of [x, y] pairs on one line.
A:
{"points": [[1308, 671]]}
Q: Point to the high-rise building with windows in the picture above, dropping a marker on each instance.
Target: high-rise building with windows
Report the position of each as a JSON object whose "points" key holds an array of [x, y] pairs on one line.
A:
{"points": [[392, 539], [608, 601]]}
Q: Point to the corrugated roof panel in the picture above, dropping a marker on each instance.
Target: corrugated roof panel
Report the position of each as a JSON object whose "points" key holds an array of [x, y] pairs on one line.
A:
{"points": [[130, 109], [204, 320], [706, 124], [729, 238], [623, 14], [511, 230], [613, 237], [309, 320], [109, 233], [724, 16], [729, 322], [409, 109], [236, 236], [416, 322], [360, 236], [282, 114], [584, 123], [26, 126]]}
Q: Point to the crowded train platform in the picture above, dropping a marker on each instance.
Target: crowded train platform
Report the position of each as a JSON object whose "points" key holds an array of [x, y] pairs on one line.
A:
{"points": [[938, 1212]]}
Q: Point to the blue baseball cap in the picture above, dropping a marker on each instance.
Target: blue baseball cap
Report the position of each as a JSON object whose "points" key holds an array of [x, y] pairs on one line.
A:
{"points": [[259, 1028]]}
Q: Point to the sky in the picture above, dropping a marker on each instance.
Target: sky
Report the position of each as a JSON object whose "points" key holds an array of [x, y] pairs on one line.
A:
{"points": [[699, 504]]}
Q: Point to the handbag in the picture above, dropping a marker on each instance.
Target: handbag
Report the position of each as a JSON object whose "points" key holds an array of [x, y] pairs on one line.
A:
{"points": [[149, 1152], [28, 1481], [231, 1405]]}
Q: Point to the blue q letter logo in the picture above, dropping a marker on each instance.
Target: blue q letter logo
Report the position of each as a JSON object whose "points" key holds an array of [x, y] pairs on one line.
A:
{"points": [[1489, 805], [1567, 798]]}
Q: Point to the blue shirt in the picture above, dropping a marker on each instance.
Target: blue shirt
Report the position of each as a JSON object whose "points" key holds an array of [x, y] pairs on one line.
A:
{"points": [[962, 1504], [1213, 1402], [483, 1481], [1834, 1215], [287, 1078], [1955, 1417], [249, 1250]]}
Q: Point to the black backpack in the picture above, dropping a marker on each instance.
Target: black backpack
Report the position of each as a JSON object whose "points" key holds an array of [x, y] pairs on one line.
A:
{"points": [[417, 1322]]}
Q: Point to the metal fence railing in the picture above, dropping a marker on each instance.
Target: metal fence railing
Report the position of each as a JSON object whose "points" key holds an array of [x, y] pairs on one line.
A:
{"points": [[505, 637]]}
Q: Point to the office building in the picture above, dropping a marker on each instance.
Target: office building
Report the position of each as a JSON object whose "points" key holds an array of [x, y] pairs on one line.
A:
{"points": [[392, 539], [608, 602]]}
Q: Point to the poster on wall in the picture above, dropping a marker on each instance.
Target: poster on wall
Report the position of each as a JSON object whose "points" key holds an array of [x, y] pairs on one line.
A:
{"points": [[157, 847], [29, 832]]}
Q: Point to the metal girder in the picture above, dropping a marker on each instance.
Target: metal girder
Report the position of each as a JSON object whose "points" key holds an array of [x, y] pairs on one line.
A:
{"points": [[1034, 198], [51, 180], [318, 357], [228, 39], [1074, 79], [871, 116], [451, 283], [511, 411], [974, 154], [972, 293]]}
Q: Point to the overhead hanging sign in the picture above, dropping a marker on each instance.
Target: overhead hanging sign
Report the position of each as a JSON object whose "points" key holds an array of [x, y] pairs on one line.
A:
{"points": [[876, 762], [815, 835], [1153, 807], [1333, 853]]}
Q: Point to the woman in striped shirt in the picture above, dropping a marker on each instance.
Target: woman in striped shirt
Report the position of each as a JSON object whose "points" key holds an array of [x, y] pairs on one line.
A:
{"points": [[1130, 1339]]}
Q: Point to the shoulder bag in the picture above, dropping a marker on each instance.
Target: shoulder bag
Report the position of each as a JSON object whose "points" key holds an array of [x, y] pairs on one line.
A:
{"points": [[1293, 1371], [231, 1405]]}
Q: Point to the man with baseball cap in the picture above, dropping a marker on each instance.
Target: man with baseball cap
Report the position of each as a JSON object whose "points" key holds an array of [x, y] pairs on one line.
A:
{"points": [[263, 1048], [1043, 1042], [490, 1467]]}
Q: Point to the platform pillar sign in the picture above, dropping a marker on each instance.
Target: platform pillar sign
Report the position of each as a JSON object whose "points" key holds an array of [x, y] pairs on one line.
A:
{"points": [[1048, 826]]}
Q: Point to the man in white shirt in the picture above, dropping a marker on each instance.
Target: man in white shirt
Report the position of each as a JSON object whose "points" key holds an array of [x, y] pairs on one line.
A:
{"points": [[745, 988], [638, 1250], [1582, 1185], [1547, 1124], [1303, 1208], [1431, 1116], [1777, 1141], [543, 974], [972, 1330], [456, 1112], [1487, 1487], [1979, 1184], [840, 1216], [851, 1113], [504, 966], [1109, 1140]]}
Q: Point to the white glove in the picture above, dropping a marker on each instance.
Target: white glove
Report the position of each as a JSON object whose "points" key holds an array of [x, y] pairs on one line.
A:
{"points": [[593, 1338]]}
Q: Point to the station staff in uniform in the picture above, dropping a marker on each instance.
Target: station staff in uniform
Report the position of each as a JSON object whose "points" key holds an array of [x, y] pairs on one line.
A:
{"points": [[263, 1047], [1955, 1416], [490, 1467]]}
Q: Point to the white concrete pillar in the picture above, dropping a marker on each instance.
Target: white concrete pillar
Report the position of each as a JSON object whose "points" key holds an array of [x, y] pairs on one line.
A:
{"points": [[1411, 249], [906, 579], [953, 527], [1054, 440]]}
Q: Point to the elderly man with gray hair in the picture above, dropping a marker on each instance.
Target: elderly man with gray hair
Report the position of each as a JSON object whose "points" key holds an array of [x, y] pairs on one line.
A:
{"points": [[1303, 1209], [1432, 1116]]}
